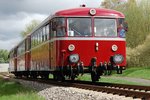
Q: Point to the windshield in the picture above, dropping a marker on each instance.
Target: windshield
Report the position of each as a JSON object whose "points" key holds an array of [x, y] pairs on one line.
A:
{"points": [[79, 27], [105, 27]]}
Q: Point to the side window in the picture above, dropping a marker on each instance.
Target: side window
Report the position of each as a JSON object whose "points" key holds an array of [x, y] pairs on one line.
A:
{"points": [[122, 27], [53, 28], [60, 27], [43, 35], [32, 41], [40, 36], [47, 31], [37, 38], [21, 48], [36, 41]]}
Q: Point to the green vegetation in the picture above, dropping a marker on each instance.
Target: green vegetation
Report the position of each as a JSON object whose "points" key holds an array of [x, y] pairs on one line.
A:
{"points": [[138, 36], [142, 73], [139, 72], [109, 79], [3, 56], [14, 91], [119, 81]]}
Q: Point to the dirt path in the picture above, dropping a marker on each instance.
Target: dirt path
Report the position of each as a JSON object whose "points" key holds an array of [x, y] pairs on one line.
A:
{"points": [[137, 80]]}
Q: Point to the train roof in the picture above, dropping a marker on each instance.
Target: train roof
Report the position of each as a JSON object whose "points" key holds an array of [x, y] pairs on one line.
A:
{"points": [[84, 11]]}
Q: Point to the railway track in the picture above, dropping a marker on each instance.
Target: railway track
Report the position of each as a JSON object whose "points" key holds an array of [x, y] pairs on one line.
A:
{"points": [[134, 91]]}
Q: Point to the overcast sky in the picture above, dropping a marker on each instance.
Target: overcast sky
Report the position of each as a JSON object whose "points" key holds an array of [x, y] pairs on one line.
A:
{"points": [[16, 14]]}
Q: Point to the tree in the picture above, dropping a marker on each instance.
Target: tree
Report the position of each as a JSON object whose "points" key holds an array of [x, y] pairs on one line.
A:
{"points": [[4, 56], [114, 4], [137, 15], [29, 27]]}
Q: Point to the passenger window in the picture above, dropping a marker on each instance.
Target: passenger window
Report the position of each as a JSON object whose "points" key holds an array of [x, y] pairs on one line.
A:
{"points": [[53, 28], [43, 35], [47, 31], [58, 27], [122, 28]]}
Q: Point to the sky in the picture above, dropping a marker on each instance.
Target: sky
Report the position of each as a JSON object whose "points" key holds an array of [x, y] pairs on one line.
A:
{"points": [[16, 14]]}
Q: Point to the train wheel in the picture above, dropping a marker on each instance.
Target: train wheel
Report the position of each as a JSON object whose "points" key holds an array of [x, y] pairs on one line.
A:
{"points": [[58, 76], [93, 76], [16, 75], [73, 77], [27, 76], [46, 76], [54, 76], [34, 76]]}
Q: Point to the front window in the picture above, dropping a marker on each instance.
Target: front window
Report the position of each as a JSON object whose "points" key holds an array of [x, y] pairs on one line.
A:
{"points": [[79, 27], [105, 27]]}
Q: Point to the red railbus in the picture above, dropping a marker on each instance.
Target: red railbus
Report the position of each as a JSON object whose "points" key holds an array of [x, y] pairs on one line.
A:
{"points": [[73, 42]]}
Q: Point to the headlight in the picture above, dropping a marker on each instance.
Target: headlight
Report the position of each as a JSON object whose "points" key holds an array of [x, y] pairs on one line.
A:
{"points": [[74, 58], [71, 47], [114, 47], [118, 58]]}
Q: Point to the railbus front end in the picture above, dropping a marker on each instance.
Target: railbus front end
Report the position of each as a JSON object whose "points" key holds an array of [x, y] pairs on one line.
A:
{"points": [[94, 43]]}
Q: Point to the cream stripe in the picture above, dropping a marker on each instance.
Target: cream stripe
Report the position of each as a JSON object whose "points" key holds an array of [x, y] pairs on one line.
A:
{"points": [[88, 38]]}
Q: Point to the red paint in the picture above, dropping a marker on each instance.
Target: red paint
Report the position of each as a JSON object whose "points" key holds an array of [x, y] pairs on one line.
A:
{"points": [[87, 50]]}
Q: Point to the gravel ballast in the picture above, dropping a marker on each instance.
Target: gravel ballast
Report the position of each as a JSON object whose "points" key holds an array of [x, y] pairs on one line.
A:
{"points": [[50, 92]]}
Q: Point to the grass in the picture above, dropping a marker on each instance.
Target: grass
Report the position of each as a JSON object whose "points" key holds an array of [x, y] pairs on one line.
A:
{"points": [[108, 79], [10, 90], [129, 72], [142, 72], [119, 81]]}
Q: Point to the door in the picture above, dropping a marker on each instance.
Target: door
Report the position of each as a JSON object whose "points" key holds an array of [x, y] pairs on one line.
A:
{"points": [[52, 46]]}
